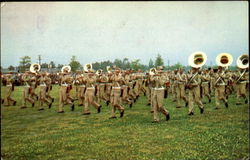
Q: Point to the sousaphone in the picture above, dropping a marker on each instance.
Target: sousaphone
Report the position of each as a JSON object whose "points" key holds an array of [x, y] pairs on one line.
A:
{"points": [[66, 69], [109, 69], [34, 68], [243, 61], [197, 59], [152, 71], [87, 67], [224, 59]]}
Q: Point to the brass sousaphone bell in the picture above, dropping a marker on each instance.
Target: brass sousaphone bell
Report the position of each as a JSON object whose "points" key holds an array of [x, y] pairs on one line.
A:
{"points": [[152, 71], [99, 72], [197, 59], [224, 59], [109, 69], [243, 61], [66, 69], [87, 67], [34, 68]]}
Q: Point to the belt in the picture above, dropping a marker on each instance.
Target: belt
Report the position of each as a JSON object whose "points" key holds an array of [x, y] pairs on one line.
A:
{"points": [[90, 87], [9, 85], [243, 81], [82, 86], [102, 84], [65, 85], [42, 85], [116, 87], [158, 88], [205, 82]]}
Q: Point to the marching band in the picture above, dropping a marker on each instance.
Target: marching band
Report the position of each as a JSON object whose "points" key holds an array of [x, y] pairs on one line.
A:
{"points": [[119, 88]]}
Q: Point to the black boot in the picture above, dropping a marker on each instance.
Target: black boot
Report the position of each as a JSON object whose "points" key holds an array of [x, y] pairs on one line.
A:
{"points": [[72, 107], [148, 104], [186, 104], [122, 113], [2, 101], [167, 117], [33, 104], [209, 101], [191, 113], [131, 105], [41, 109], [226, 104], [53, 99], [14, 104], [50, 105], [246, 101], [201, 110], [107, 103], [60, 112], [86, 113], [112, 117], [99, 109]]}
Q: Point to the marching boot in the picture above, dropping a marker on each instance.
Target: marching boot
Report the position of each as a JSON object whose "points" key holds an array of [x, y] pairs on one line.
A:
{"points": [[226, 104], [122, 113], [201, 110], [14, 104], [246, 101], [167, 117], [186, 104], [191, 113], [112, 117], [73, 107], [99, 109], [50, 105]]}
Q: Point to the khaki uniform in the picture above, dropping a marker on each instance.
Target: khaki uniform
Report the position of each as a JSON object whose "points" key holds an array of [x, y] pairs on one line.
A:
{"points": [[49, 88], [158, 97], [103, 79], [26, 92], [220, 84], [180, 88], [80, 80], [42, 93], [241, 81], [116, 95], [63, 99], [194, 92], [33, 86], [90, 95], [205, 78], [8, 101]]}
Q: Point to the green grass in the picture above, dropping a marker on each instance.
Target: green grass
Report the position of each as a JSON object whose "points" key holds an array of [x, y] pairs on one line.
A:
{"points": [[31, 134]]}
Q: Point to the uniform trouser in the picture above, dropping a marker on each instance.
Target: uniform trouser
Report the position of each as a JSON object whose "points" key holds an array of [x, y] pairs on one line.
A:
{"points": [[33, 93], [63, 98], [151, 99], [8, 99], [180, 90], [137, 88], [108, 91], [116, 101], [219, 95], [205, 90], [132, 92], [89, 100], [80, 94], [157, 101], [125, 96], [212, 88], [103, 96], [70, 99], [174, 94], [48, 93], [42, 96], [194, 96], [26, 96], [240, 91], [148, 93]]}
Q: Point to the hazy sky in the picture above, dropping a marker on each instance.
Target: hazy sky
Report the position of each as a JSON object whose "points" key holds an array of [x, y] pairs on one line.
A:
{"points": [[98, 31]]}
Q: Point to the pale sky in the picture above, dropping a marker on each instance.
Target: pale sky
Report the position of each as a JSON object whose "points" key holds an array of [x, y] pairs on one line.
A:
{"points": [[99, 31]]}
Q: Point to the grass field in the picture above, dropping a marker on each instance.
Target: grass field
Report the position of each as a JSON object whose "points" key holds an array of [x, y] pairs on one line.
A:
{"points": [[31, 134]]}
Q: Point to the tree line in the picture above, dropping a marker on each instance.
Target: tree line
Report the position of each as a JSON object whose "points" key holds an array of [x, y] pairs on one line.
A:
{"points": [[124, 64]]}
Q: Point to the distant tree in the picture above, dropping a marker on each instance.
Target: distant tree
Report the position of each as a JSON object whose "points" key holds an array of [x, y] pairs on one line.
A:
{"points": [[74, 64], [44, 65], [11, 68], [136, 64], [151, 63], [159, 61], [52, 64], [177, 66], [59, 66], [24, 63], [125, 63], [118, 63]]}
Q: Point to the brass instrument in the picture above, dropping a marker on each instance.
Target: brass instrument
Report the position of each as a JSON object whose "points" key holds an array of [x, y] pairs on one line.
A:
{"points": [[197, 59], [224, 59], [35, 68]]}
